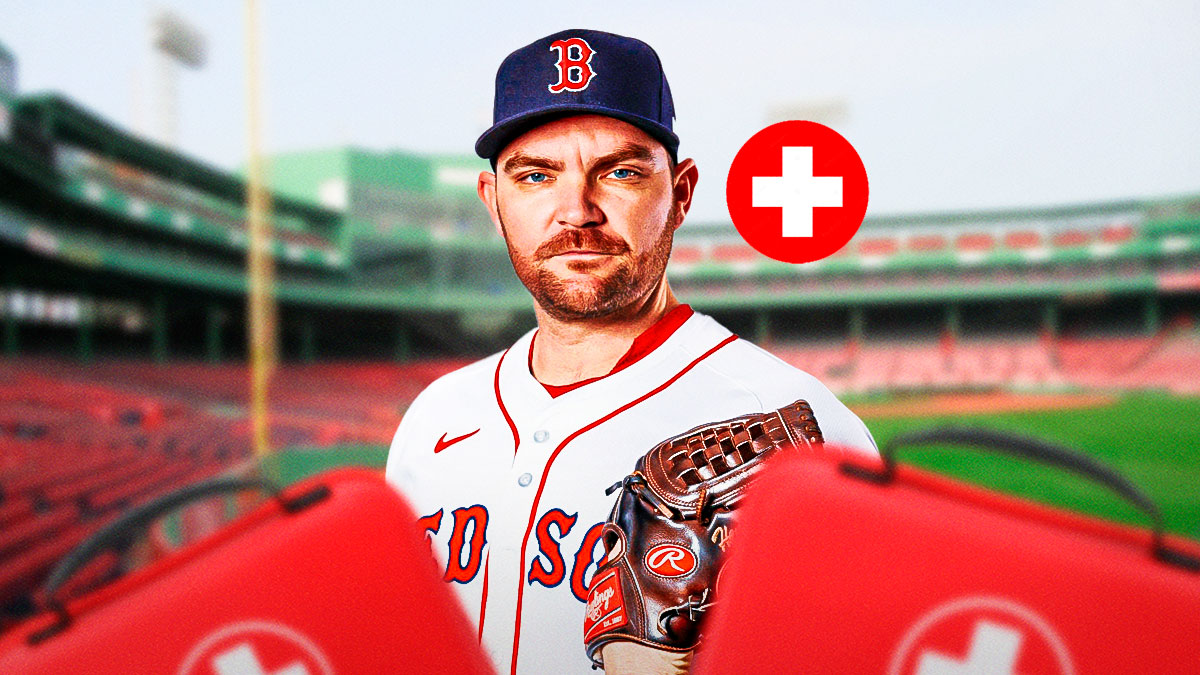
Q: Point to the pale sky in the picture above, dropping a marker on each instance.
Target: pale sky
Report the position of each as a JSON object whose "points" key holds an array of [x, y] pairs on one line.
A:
{"points": [[952, 105]]}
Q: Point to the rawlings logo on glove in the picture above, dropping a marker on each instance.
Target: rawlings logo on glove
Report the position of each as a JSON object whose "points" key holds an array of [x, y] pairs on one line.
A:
{"points": [[670, 560], [605, 606], [667, 532]]}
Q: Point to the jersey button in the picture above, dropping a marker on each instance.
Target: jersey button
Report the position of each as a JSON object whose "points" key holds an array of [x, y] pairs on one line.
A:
{"points": [[540, 436], [525, 479]]}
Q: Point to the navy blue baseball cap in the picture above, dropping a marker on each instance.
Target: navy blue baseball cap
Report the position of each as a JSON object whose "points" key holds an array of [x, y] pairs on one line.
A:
{"points": [[578, 72]]}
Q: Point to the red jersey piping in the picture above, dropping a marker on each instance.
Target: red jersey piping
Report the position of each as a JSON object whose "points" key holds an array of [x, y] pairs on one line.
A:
{"points": [[516, 444], [650, 339], [483, 603], [500, 402], [549, 463]]}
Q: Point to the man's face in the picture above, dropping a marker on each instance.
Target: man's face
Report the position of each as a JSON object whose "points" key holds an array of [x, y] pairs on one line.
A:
{"points": [[588, 206]]}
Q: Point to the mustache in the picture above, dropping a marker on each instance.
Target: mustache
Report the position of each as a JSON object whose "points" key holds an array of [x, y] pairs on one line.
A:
{"points": [[590, 239]]}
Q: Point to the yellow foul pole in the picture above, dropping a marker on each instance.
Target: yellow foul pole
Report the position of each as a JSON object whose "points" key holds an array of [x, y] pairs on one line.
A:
{"points": [[261, 306]]}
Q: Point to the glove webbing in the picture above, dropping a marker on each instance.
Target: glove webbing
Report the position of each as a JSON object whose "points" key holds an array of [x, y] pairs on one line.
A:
{"points": [[715, 452]]}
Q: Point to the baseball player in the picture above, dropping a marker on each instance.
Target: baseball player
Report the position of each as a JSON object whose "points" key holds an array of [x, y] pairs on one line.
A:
{"points": [[508, 459]]}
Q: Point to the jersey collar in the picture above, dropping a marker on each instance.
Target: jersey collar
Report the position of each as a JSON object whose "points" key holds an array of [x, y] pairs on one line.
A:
{"points": [[650, 339]]}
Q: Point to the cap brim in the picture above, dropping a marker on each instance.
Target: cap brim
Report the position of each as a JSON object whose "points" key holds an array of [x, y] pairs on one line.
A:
{"points": [[500, 135]]}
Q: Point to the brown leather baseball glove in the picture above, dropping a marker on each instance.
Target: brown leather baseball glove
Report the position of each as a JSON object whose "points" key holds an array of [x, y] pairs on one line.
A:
{"points": [[670, 525]]}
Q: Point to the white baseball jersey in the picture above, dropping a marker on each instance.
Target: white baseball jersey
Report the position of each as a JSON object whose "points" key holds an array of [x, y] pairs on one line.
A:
{"points": [[510, 481]]}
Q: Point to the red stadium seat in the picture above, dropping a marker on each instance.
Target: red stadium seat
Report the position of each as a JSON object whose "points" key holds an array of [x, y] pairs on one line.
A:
{"points": [[1071, 238], [733, 253], [1117, 234], [1022, 239], [975, 242], [1167, 361], [927, 242], [685, 255], [877, 246]]}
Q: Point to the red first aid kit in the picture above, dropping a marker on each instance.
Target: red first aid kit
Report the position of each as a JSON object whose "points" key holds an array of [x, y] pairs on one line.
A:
{"points": [[328, 576], [849, 564]]}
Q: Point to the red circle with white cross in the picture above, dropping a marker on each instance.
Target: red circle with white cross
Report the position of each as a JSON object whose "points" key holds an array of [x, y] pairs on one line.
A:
{"points": [[797, 191], [256, 648], [982, 635]]}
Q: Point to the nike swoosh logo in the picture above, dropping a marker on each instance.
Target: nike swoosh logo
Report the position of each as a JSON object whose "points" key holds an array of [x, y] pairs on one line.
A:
{"points": [[443, 442]]}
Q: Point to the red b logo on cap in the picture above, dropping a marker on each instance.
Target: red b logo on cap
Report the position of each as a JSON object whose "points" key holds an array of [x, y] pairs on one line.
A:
{"points": [[574, 71]]}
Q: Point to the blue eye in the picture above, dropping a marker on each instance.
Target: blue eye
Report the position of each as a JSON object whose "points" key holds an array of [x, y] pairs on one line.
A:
{"points": [[536, 177], [623, 173]]}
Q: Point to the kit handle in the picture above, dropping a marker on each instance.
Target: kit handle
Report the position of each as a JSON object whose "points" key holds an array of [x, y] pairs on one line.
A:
{"points": [[1037, 450], [120, 532]]}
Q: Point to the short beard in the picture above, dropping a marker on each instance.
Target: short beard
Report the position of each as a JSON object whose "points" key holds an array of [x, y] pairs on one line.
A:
{"points": [[599, 296]]}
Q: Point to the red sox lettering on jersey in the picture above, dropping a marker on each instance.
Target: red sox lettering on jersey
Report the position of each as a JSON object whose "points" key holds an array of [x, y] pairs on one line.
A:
{"points": [[513, 511]]}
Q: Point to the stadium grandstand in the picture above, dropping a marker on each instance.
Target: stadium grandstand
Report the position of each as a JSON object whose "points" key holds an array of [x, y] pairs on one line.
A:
{"points": [[122, 292]]}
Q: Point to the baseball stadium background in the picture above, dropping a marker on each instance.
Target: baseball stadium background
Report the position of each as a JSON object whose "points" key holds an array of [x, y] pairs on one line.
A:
{"points": [[123, 333]]}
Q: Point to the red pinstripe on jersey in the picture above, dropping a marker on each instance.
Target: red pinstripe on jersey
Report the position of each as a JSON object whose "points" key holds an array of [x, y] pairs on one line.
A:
{"points": [[546, 472]]}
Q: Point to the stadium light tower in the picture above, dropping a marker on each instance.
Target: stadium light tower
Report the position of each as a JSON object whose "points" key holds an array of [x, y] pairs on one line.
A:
{"points": [[174, 43]]}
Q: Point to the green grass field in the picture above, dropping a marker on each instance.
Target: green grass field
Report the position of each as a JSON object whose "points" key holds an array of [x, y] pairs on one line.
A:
{"points": [[288, 466], [1151, 438]]}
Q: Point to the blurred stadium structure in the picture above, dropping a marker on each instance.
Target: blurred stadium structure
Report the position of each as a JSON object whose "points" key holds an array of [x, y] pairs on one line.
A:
{"points": [[128, 257]]}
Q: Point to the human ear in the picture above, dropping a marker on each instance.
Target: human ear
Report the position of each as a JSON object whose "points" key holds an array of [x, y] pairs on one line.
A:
{"points": [[486, 189], [685, 176]]}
